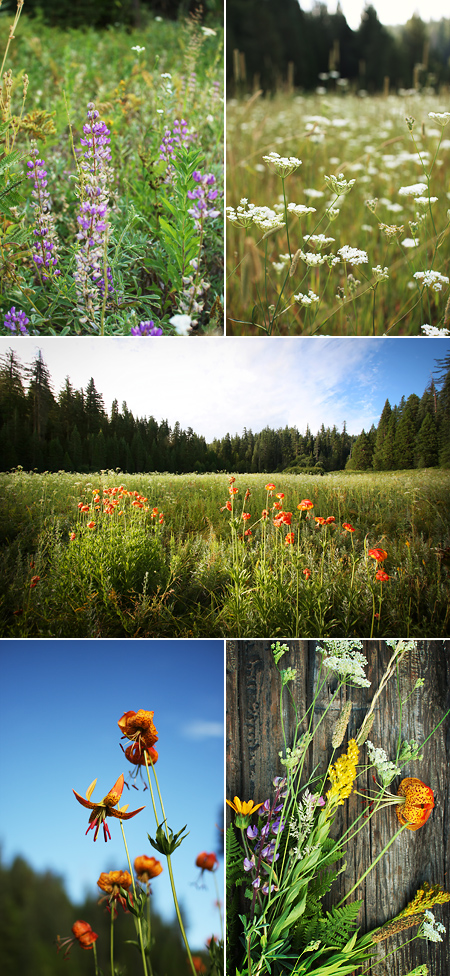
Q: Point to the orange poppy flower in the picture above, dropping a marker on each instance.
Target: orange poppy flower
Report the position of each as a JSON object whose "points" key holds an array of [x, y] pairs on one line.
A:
{"points": [[289, 539], [270, 487], [82, 933], [147, 867], [228, 506], [382, 576], [305, 505], [378, 554], [330, 520], [207, 862], [417, 803], [105, 808], [319, 520], [347, 527], [138, 726], [280, 494]]}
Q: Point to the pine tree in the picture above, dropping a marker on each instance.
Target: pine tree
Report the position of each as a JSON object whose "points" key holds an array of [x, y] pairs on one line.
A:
{"points": [[427, 444], [382, 429]]}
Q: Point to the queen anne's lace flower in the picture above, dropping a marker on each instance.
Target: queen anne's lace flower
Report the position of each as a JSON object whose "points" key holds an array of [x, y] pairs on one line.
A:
{"points": [[415, 190], [306, 300], [353, 255], [344, 657], [433, 332], [440, 117], [283, 165], [432, 279], [386, 770], [431, 930]]}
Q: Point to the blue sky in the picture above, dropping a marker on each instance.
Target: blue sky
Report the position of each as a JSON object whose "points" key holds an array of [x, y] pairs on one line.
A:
{"points": [[388, 12], [221, 385], [60, 703]]}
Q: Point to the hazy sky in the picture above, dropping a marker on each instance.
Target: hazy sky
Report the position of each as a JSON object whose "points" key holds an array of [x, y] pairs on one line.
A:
{"points": [[62, 700], [389, 11], [218, 385]]}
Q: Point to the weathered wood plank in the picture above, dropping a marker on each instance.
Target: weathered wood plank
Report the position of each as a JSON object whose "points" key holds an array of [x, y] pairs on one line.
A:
{"points": [[254, 739]]}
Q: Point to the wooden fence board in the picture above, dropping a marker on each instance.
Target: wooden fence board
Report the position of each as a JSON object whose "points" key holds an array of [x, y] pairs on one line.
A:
{"points": [[254, 739]]}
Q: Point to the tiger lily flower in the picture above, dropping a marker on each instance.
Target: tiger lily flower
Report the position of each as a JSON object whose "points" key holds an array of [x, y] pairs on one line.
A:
{"points": [[138, 727], [105, 808], [416, 803]]}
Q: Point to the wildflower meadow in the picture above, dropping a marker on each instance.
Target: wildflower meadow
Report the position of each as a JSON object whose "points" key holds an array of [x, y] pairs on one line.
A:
{"points": [[338, 214], [340, 797], [109, 555], [111, 177]]}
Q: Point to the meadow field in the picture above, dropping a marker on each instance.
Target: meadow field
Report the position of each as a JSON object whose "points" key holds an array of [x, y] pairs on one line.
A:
{"points": [[338, 209], [134, 121], [156, 555]]}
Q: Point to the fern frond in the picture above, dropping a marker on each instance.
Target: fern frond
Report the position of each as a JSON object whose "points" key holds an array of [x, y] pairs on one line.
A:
{"points": [[337, 925]]}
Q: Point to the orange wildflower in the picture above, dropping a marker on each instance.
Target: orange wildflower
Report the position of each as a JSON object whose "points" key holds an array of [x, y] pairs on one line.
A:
{"points": [[270, 487], [105, 808], [112, 882], [136, 755], [330, 520], [147, 867], [319, 520], [207, 862], [305, 505], [246, 516], [289, 539], [347, 527], [82, 933], [199, 965], [72, 536], [306, 572], [139, 727], [264, 514], [417, 803], [228, 507], [34, 581], [378, 554], [382, 576], [91, 525], [248, 532]]}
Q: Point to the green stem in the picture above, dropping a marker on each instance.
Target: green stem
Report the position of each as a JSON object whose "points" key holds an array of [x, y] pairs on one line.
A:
{"points": [[94, 949], [138, 921], [169, 862], [219, 904], [369, 869], [111, 936]]}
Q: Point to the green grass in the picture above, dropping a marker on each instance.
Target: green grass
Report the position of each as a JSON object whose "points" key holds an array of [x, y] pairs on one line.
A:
{"points": [[195, 575], [368, 140]]}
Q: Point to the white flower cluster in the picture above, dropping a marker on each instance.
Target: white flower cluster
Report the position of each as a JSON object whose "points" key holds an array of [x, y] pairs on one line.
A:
{"points": [[432, 279], [299, 209], [248, 213], [431, 930], [339, 184], [386, 769], [415, 190], [379, 273], [313, 260], [283, 165], [342, 656], [353, 255], [422, 202], [318, 240], [433, 332], [440, 117], [302, 823], [306, 300]]}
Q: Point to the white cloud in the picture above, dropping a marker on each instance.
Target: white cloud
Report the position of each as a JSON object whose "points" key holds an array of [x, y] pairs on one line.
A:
{"points": [[201, 729]]}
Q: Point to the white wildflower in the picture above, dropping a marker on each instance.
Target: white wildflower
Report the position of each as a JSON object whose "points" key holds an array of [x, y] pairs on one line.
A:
{"points": [[339, 184], [415, 190], [344, 657], [386, 770], [380, 274], [434, 333], [332, 213], [440, 117], [209, 32], [353, 255], [306, 300], [299, 209], [313, 260], [318, 240], [283, 165], [181, 323], [314, 194], [138, 49], [431, 930], [431, 279], [410, 242]]}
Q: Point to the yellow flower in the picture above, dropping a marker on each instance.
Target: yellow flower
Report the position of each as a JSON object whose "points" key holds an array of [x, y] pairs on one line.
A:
{"points": [[243, 810], [424, 899], [343, 774]]}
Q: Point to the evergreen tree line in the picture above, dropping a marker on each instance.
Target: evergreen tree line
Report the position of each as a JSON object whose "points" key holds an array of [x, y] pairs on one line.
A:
{"points": [[104, 13], [281, 44], [73, 432], [35, 909]]}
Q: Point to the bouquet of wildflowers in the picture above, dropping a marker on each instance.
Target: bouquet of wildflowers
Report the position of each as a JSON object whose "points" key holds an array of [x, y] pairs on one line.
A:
{"points": [[281, 859]]}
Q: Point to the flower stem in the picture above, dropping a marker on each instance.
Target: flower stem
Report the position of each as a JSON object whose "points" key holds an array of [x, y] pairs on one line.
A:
{"points": [[169, 862], [383, 852], [111, 937], [94, 949], [138, 921]]}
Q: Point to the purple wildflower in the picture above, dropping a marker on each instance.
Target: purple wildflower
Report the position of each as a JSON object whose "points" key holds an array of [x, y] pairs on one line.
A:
{"points": [[248, 865], [93, 222], [16, 321], [252, 832], [146, 329], [44, 253], [203, 196], [178, 136]]}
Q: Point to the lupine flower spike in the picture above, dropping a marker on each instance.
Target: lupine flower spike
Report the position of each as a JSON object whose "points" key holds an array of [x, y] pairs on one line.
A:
{"points": [[105, 808]]}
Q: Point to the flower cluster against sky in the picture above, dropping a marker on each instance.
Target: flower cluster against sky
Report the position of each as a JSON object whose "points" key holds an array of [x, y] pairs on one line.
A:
{"points": [[66, 697]]}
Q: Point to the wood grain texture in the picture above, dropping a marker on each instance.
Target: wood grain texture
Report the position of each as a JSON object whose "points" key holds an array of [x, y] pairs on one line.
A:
{"points": [[254, 739]]}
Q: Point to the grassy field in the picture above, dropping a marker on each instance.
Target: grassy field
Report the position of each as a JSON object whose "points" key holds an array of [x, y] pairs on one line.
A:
{"points": [[166, 555], [165, 78], [370, 142]]}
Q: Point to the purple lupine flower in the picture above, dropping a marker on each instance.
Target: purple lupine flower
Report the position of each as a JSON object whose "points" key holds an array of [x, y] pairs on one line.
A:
{"points": [[146, 329], [16, 321], [44, 249], [252, 832], [178, 136], [249, 864], [277, 826], [268, 852], [203, 195], [93, 222]]}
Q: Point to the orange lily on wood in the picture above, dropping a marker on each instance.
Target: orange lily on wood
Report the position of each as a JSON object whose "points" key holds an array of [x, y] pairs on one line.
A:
{"points": [[417, 802]]}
